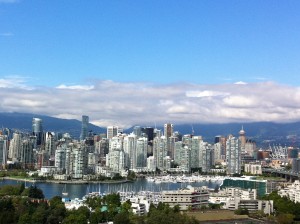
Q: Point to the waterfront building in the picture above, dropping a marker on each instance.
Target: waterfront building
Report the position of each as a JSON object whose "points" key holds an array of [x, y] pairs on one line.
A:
{"points": [[151, 164], [205, 156], [189, 197], [159, 150], [84, 127], [3, 151], [115, 160], [15, 147], [27, 158], [112, 131], [60, 158], [37, 130], [246, 183], [79, 162], [130, 151], [233, 155]]}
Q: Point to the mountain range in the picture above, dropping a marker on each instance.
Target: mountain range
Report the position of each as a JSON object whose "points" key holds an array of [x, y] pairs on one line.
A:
{"points": [[284, 133]]}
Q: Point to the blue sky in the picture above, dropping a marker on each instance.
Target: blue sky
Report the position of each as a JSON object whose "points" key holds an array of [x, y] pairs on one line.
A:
{"points": [[204, 42], [209, 61]]}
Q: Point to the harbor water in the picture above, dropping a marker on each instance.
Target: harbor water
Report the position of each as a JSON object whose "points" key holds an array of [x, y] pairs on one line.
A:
{"points": [[79, 190]]}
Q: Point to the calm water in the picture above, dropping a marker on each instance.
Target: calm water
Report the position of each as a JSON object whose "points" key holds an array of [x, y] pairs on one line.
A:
{"points": [[79, 190]]}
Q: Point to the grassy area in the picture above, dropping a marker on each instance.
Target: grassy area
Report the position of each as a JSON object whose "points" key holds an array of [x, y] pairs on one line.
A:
{"points": [[211, 215]]}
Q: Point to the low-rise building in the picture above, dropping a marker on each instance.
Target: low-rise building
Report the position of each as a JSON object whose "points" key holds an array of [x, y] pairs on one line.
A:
{"points": [[253, 168], [187, 198]]}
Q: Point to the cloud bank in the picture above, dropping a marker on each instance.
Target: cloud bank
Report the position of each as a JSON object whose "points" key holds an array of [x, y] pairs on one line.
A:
{"points": [[126, 104]]}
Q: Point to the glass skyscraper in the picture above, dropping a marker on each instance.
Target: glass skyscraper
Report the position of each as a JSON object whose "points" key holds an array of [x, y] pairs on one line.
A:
{"points": [[84, 127]]}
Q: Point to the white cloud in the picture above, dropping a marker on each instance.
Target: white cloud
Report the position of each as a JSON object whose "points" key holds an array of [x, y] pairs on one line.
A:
{"points": [[14, 81], [126, 104], [205, 93], [75, 87], [240, 83]]}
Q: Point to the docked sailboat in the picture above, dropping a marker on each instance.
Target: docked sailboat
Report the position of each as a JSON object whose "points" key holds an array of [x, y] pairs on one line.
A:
{"points": [[64, 192]]}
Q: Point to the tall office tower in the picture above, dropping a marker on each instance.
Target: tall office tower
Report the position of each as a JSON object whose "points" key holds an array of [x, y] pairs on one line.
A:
{"points": [[242, 139], [15, 147], [27, 158], [130, 151], [37, 130], [205, 156], [159, 150], [149, 132], [112, 131], [141, 152], [84, 127], [233, 155], [168, 132], [222, 140], [3, 151], [49, 143]]}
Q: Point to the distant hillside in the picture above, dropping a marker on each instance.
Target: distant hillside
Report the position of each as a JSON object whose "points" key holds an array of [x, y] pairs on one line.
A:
{"points": [[288, 133], [23, 121]]}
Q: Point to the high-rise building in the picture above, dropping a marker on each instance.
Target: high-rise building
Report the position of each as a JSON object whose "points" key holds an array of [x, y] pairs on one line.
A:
{"points": [[15, 147], [27, 158], [112, 131], [141, 152], [84, 127], [233, 155], [37, 130], [149, 132], [49, 143], [130, 151], [3, 151], [168, 130]]}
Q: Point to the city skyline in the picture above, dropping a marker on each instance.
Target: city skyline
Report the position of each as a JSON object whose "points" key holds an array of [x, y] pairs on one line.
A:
{"points": [[123, 63]]}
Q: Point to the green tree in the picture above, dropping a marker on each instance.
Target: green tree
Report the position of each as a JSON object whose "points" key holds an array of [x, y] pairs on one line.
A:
{"points": [[75, 218], [24, 219], [122, 218], [35, 192]]}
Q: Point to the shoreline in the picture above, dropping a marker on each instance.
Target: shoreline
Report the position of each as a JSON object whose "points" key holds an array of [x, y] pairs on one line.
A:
{"points": [[68, 181]]}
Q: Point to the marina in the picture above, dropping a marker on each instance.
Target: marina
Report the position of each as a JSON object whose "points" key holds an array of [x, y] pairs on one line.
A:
{"points": [[155, 184]]}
